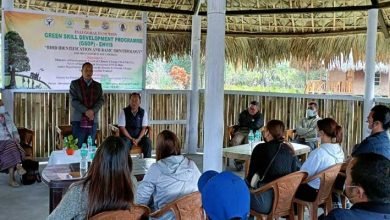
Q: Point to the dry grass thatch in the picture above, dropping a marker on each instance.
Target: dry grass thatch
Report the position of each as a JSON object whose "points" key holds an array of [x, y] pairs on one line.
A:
{"points": [[252, 40]]}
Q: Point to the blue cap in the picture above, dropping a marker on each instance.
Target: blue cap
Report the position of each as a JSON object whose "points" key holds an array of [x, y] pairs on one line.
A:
{"points": [[224, 195]]}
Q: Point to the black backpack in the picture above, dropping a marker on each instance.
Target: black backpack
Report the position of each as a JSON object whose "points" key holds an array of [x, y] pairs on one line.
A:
{"points": [[32, 172]]}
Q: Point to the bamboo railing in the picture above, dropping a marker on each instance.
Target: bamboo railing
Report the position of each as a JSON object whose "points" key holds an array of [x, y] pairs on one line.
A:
{"points": [[169, 110]]}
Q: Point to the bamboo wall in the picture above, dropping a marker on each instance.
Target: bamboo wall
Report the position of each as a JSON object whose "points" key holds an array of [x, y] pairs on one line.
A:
{"points": [[168, 110], [290, 109]]}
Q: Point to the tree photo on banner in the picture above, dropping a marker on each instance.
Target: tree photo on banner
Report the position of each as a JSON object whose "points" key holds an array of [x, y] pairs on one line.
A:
{"points": [[46, 51]]}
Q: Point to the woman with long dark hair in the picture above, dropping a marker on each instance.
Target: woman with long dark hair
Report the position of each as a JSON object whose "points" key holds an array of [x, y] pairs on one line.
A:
{"points": [[108, 185], [170, 178], [269, 161], [330, 136]]}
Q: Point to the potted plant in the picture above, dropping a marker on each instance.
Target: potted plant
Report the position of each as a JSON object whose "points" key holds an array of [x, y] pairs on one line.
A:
{"points": [[70, 143]]}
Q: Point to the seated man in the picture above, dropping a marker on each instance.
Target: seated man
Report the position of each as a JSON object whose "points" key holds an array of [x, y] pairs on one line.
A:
{"points": [[368, 187], [132, 123], [378, 142], [224, 195], [249, 119], [306, 132]]}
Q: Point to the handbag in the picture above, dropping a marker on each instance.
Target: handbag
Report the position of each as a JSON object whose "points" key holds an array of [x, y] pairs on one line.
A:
{"points": [[256, 180]]}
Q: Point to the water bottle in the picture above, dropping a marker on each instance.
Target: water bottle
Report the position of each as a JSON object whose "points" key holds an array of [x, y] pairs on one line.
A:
{"points": [[257, 136], [84, 160], [92, 153], [89, 142], [251, 138]]}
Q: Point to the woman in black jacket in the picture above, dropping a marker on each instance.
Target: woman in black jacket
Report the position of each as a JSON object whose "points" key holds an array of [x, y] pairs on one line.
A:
{"points": [[269, 161]]}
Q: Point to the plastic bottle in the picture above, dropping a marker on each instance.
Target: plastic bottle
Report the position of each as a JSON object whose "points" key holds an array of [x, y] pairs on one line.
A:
{"points": [[84, 160], [251, 138], [92, 153], [257, 136], [89, 143]]}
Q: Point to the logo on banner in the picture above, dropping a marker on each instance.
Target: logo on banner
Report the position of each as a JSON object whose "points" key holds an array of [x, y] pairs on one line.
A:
{"points": [[49, 21], [122, 27], [105, 25], [69, 23], [86, 24], [138, 28]]}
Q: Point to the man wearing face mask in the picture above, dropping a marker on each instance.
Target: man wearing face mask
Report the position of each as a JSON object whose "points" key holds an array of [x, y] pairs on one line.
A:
{"points": [[249, 119], [367, 187], [306, 133], [378, 142]]}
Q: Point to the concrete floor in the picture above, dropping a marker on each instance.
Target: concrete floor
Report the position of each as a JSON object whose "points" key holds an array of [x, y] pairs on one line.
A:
{"points": [[32, 201]]}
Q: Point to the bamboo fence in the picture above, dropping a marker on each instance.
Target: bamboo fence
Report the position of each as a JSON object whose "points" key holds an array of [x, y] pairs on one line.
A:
{"points": [[41, 112]]}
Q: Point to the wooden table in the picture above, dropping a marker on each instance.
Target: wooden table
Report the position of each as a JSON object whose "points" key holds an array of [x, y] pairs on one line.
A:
{"points": [[58, 179], [244, 152]]}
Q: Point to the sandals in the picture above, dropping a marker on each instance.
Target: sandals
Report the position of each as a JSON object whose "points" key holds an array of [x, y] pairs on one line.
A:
{"points": [[21, 171], [13, 184]]}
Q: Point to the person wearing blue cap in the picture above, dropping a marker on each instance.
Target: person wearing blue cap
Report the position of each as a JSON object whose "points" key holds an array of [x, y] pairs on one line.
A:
{"points": [[225, 196]]}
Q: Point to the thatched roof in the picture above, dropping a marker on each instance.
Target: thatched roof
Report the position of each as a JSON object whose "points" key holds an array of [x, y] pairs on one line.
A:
{"points": [[257, 32]]}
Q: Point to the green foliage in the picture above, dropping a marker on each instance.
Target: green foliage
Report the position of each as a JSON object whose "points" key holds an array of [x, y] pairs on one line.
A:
{"points": [[278, 78], [70, 142]]}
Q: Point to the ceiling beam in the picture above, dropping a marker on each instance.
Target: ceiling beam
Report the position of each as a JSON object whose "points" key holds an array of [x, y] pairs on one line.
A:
{"points": [[196, 8], [228, 13], [124, 6], [381, 19], [270, 35]]}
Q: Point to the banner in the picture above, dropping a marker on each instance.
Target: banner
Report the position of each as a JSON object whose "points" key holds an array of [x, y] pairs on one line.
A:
{"points": [[46, 51]]}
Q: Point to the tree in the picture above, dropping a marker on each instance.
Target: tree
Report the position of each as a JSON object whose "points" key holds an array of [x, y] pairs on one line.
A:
{"points": [[16, 59], [180, 76]]}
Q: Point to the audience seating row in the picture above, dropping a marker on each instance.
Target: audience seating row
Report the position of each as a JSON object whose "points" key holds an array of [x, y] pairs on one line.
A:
{"points": [[186, 207], [284, 190]]}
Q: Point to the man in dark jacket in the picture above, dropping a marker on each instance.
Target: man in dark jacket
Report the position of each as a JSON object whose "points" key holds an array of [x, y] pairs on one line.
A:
{"points": [[132, 123], [249, 119], [86, 98], [378, 142], [368, 187]]}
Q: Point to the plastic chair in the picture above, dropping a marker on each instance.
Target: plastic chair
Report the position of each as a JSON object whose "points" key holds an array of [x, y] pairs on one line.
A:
{"points": [[327, 178], [135, 212], [186, 207], [66, 130], [115, 131], [284, 190], [27, 141], [338, 187], [289, 135]]}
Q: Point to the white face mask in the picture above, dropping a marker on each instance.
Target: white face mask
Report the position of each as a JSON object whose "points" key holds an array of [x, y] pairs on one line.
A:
{"points": [[310, 113], [2, 109]]}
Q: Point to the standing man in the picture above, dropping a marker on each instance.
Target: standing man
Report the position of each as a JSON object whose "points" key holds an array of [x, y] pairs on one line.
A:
{"points": [[306, 132], [249, 119], [86, 100], [132, 123]]}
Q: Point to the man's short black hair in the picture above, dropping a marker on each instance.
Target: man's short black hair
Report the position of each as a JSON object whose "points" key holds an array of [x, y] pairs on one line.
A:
{"points": [[381, 113], [136, 94], [313, 103], [372, 172], [86, 64], [255, 103]]}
